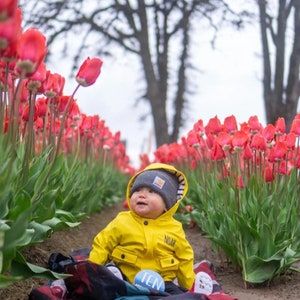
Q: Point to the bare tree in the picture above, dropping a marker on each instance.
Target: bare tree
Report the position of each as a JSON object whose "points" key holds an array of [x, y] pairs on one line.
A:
{"points": [[148, 29], [281, 85]]}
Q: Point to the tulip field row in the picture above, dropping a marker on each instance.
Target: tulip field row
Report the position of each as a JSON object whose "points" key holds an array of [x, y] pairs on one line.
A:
{"points": [[59, 165], [244, 191]]}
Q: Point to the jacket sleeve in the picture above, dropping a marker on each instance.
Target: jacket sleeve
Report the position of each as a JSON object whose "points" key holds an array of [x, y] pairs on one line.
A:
{"points": [[104, 243], [185, 255]]}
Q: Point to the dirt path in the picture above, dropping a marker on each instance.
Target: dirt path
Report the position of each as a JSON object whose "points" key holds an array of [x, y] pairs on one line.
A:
{"points": [[287, 287]]}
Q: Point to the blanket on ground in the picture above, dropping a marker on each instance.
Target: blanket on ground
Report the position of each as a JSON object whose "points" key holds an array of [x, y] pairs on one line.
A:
{"points": [[91, 281]]}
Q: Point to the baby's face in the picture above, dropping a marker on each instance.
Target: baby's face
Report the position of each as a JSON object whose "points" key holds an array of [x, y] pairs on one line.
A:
{"points": [[147, 203]]}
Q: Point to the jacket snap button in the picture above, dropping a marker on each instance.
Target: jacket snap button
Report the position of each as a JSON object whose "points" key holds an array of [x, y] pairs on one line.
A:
{"points": [[145, 222], [172, 261], [123, 256]]}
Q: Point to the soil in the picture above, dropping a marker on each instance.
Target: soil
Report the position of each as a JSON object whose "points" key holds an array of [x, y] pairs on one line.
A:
{"points": [[65, 241]]}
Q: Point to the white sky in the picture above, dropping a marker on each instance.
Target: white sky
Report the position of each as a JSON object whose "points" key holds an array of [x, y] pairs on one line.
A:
{"points": [[228, 84]]}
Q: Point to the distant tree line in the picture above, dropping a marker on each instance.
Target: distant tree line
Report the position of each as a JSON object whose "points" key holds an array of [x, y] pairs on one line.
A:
{"points": [[152, 29]]}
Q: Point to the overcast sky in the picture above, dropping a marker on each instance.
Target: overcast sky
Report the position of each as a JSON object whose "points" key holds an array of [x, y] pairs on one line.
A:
{"points": [[229, 84]]}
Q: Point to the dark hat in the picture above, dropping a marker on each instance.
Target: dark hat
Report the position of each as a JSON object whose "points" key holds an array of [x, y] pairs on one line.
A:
{"points": [[162, 182]]}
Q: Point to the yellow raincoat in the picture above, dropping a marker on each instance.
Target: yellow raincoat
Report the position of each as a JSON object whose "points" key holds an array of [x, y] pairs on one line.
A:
{"points": [[134, 243]]}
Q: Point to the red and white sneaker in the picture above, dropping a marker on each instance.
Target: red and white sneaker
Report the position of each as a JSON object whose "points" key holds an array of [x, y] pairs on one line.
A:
{"points": [[59, 288], [204, 280]]}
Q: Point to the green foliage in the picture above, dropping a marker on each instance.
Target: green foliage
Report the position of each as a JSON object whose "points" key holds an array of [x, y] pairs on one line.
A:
{"points": [[56, 165], [257, 227], [50, 198], [97, 187]]}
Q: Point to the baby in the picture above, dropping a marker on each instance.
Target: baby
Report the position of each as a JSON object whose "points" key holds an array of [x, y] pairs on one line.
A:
{"points": [[147, 237]]}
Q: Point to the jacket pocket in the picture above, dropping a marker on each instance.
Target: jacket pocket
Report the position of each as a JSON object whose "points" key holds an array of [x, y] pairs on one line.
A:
{"points": [[119, 255], [169, 263]]}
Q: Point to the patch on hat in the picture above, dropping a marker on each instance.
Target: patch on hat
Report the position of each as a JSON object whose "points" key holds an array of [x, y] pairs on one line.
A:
{"points": [[159, 182]]}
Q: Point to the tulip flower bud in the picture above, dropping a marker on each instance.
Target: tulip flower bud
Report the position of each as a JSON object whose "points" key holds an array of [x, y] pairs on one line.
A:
{"points": [[7, 9], [53, 85], [31, 50], [10, 30], [89, 71], [295, 127]]}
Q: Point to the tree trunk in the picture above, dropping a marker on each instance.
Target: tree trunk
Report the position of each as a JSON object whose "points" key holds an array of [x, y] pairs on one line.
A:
{"points": [[181, 83], [156, 87], [293, 83], [280, 97]]}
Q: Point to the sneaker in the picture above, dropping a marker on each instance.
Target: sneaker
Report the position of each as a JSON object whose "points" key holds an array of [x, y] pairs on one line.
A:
{"points": [[115, 271], [205, 279], [59, 288], [203, 283]]}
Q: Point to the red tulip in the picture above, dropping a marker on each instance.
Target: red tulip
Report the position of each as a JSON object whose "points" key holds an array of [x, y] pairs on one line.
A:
{"points": [[210, 140], [268, 174], [224, 140], [62, 102], [125, 204], [6, 122], [245, 127], [89, 71], [247, 153], [290, 141], [189, 208], [278, 152], [199, 128], [254, 124], [269, 132], [230, 124], [25, 114], [31, 50], [53, 85], [193, 138], [24, 91], [39, 124], [10, 31], [217, 152], [41, 104], [109, 144], [258, 143], [86, 124], [295, 127], [144, 159], [280, 126], [239, 140], [285, 168], [35, 82], [95, 121], [74, 111], [213, 126], [7, 9]]}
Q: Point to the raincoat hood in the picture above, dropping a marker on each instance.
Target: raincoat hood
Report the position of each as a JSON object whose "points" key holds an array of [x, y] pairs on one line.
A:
{"points": [[182, 184]]}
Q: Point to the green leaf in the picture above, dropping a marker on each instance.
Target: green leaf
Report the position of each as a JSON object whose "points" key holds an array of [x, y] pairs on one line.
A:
{"points": [[8, 280], [58, 224], [24, 270], [41, 232], [258, 270], [45, 206]]}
